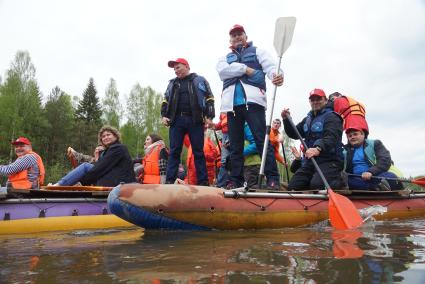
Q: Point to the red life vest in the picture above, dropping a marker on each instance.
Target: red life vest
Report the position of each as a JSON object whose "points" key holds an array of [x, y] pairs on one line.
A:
{"points": [[352, 108], [151, 166], [20, 180]]}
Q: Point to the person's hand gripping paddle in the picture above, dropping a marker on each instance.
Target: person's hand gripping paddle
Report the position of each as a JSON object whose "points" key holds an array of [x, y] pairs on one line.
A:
{"points": [[284, 30], [342, 212]]}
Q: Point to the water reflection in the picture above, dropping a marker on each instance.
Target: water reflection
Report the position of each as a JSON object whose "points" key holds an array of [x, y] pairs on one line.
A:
{"points": [[375, 254]]}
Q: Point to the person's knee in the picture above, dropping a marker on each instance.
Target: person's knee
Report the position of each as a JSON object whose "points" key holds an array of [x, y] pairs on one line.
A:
{"points": [[297, 182], [87, 165]]}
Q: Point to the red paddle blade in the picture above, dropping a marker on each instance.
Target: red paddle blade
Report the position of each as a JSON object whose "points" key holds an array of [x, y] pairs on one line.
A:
{"points": [[419, 181], [342, 212], [345, 244]]}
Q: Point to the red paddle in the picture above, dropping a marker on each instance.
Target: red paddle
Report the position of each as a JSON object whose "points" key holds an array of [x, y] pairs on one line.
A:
{"points": [[342, 212], [418, 181]]}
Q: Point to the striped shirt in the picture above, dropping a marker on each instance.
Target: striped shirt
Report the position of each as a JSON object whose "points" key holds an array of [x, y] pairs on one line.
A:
{"points": [[26, 162]]}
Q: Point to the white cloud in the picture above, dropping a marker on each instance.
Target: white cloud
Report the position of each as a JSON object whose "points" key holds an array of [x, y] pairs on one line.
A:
{"points": [[370, 50]]}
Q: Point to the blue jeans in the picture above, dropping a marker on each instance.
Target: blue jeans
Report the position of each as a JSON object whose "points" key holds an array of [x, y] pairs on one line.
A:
{"points": [[76, 174], [181, 126], [223, 175], [358, 183], [255, 116]]}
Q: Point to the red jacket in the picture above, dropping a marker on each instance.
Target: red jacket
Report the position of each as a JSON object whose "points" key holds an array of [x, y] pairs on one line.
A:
{"points": [[222, 124], [210, 153]]}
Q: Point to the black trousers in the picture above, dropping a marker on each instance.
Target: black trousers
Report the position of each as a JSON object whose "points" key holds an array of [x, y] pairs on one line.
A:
{"points": [[307, 177]]}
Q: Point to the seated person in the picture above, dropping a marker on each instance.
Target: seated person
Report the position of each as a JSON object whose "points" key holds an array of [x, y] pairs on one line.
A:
{"points": [[113, 166], [321, 131], [368, 159], [27, 171], [153, 166]]}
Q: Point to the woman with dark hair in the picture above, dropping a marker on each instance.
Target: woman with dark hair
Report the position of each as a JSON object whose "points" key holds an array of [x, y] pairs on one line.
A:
{"points": [[154, 163], [113, 166]]}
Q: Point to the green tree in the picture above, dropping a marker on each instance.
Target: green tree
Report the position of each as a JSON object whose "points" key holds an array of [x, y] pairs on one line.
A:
{"points": [[20, 105], [143, 118], [59, 113], [89, 109], [88, 120], [112, 108]]}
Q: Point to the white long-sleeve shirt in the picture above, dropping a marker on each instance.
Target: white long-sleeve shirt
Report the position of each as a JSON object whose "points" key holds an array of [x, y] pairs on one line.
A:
{"points": [[236, 69]]}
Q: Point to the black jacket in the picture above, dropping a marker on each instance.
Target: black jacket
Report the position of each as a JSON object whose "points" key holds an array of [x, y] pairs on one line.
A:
{"points": [[200, 96], [114, 166], [379, 159], [331, 140]]}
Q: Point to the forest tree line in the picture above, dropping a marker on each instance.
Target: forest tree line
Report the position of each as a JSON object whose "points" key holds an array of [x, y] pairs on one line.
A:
{"points": [[61, 119]]}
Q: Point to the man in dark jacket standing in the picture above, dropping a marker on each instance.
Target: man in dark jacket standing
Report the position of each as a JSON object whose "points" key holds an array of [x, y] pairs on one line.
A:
{"points": [[322, 132], [188, 104], [367, 159]]}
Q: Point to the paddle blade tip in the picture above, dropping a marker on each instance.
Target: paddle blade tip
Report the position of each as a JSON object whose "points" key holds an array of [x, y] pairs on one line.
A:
{"points": [[343, 215]]}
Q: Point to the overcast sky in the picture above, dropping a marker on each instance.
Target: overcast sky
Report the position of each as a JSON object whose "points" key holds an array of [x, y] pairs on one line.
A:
{"points": [[370, 50]]}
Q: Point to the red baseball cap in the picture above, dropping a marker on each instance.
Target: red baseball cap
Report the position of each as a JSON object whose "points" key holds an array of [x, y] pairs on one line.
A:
{"points": [[318, 93], [183, 61], [356, 128], [236, 28], [21, 140]]}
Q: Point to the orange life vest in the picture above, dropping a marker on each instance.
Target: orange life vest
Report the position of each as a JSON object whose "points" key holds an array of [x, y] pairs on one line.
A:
{"points": [[210, 154], [20, 180], [151, 166], [274, 141], [354, 107]]}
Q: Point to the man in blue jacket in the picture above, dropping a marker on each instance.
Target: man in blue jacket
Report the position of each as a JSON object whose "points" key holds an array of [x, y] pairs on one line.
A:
{"points": [[188, 104], [321, 130]]}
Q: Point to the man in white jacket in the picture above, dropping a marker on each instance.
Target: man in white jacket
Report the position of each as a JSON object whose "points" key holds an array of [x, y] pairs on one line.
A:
{"points": [[243, 73]]}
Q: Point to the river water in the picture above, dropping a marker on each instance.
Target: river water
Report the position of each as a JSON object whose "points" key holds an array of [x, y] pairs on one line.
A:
{"points": [[380, 252]]}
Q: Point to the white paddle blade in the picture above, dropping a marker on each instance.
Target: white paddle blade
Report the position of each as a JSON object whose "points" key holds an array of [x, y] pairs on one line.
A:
{"points": [[283, 33]]}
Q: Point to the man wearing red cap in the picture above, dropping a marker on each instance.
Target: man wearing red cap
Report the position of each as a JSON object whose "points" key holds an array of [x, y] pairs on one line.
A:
{"points": [[322, 132], [243, 72], [188, 104], [28, 170]]}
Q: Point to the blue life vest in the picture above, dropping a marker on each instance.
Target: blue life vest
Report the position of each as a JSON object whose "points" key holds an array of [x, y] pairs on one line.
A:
{"points": [[313, 130], [369, 151], [247, 56]]}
